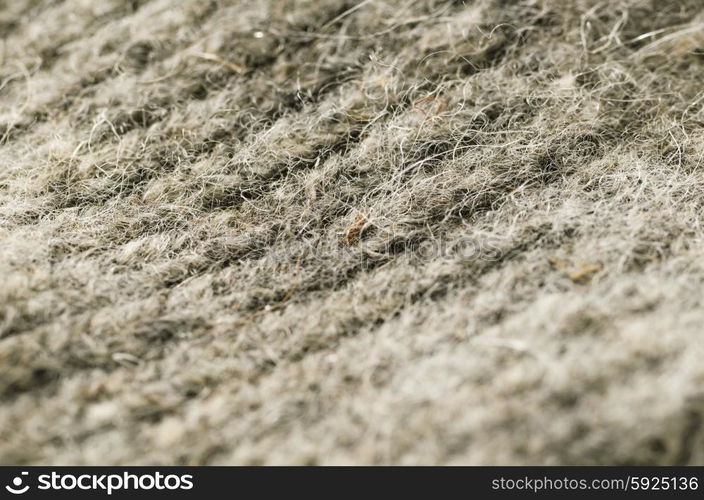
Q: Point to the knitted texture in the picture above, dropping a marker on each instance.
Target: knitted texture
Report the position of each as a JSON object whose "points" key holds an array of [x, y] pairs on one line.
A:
{"points": [[368, 232]]}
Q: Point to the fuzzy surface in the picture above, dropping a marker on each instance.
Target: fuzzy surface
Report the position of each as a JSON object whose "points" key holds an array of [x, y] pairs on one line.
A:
{"points": [[371, 232]]}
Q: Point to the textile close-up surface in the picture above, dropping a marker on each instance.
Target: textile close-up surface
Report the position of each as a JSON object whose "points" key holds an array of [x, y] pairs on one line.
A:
{"points": [[351, 232]]}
